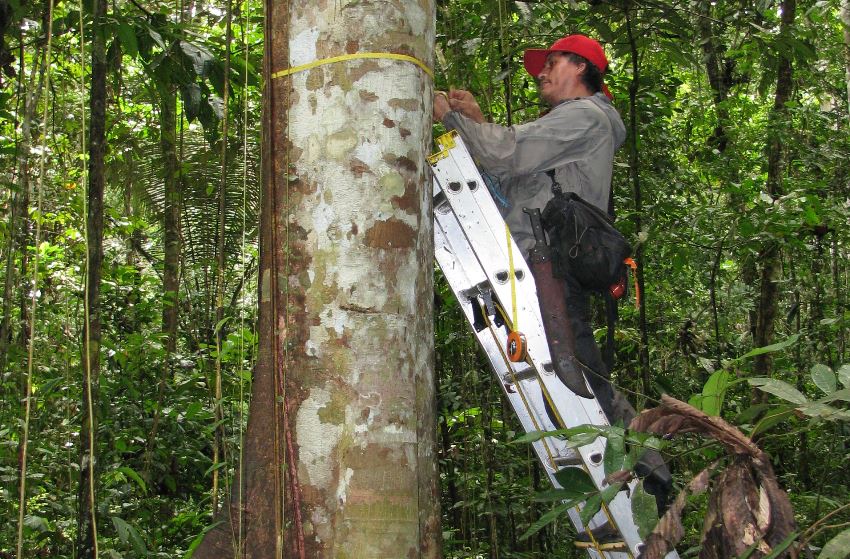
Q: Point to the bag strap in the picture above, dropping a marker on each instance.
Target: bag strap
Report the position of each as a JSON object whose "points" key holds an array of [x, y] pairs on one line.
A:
{"points": [[556, 186]]}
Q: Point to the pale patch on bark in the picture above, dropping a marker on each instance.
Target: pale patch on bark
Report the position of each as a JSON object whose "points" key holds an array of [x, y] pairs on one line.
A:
{"points": [[314, 437]]}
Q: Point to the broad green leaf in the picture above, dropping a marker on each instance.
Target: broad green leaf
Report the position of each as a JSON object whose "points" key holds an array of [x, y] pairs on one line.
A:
{"points": [[615, 453], [575, 479], [816, 409], [838, 547], [610, 492], [714, 391], [772, 347], [582, 439], [843, 395], [780, 389], [644, 510], [534, 436], [547, 519], [128, 39], [777, 415], [591, 507], [844, 374], [122, 528], [823, 377]]}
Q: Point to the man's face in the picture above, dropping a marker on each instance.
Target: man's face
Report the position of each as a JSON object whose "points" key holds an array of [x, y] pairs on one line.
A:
{"points": [[558, 78]]}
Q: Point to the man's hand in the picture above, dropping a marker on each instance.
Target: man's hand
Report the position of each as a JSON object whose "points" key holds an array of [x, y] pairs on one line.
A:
{"points": [[441, 105], [463, 102]]}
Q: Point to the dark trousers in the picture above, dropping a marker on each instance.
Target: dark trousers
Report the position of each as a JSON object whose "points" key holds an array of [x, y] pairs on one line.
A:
{"points": [[651, 467]]}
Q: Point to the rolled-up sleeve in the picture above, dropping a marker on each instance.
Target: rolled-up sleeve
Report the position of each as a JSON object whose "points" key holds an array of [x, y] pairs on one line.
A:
{"points": [[565, 135]]}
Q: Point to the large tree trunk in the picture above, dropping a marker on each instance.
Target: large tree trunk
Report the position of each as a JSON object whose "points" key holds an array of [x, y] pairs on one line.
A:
{"points": [[769, 255], [339, 455], [87, 494]]}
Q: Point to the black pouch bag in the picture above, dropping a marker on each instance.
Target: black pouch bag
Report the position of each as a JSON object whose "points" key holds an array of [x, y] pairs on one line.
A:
{"points": [[584, 242]]}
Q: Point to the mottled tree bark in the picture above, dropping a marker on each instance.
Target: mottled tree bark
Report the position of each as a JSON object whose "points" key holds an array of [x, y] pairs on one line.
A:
{"points": [[769, 255], [339, 457], [87, 494]]}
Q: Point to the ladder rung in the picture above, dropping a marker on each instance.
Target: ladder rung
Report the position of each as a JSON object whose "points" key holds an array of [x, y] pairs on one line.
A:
{"points": [[572, 459], [523, 374]]}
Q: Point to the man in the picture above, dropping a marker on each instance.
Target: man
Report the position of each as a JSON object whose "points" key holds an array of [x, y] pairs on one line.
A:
{"points": [[572, 146]]}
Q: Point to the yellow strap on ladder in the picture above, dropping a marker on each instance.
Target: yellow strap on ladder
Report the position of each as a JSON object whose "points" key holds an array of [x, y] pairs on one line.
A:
{"points": [[514, 325]]}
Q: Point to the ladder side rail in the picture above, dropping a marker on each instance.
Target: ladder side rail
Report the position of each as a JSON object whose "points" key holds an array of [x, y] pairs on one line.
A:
{"points": [[474, 221]]}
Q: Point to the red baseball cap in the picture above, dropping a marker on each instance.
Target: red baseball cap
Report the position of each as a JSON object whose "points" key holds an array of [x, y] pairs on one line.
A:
{"points": [[535, 59]]}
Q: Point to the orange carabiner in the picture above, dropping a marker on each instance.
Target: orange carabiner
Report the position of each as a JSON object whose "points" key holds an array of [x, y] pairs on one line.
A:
{"points": [[517, 347]]}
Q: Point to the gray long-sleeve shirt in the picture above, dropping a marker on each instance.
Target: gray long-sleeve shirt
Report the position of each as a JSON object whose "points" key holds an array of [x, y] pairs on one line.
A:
{"points": [[577, 139]]}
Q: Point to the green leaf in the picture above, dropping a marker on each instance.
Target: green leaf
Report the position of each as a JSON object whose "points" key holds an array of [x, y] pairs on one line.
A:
{"points": [[575, 479], [591, 507], [615, 453], [823, 377], [714, 391], [780, 389], [844, 374], [843, 395], [838, 547], [582, 439], [771, 348], [816, 409], [127, 35], [198, 539], [36, 523], [547, 519], [134, 475], [779, 415], [127, 533], [644, 510], [610, 492], [535, 436], [780, 548]]}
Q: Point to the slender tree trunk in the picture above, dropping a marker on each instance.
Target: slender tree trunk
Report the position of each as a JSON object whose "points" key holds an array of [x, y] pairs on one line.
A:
{"points": [[634, 172], [769, 255], [171, 213], [19, 221], [845, 19], [713, 61], [218, 437], [87, 495], [339, 455], [171, 264]]}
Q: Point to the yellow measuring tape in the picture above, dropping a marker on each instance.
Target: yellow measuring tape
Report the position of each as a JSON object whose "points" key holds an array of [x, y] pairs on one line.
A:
{"points": [[513, 278], [355, 56]]}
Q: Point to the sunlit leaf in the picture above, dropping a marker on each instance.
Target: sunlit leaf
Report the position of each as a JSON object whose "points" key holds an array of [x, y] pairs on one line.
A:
{"points": [[780, 389], [838, 547], [843, 374], [823, 377]]}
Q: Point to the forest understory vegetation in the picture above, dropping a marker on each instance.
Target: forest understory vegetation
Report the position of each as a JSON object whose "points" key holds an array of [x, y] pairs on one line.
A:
{"points": [[129, 330]]}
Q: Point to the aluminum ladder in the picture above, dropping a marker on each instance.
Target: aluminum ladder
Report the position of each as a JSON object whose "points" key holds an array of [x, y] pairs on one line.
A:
{"points": [[471, 248]]}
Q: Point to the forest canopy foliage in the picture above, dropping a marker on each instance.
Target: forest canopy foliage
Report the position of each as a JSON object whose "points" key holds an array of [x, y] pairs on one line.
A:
{"points": [[734, 186]]}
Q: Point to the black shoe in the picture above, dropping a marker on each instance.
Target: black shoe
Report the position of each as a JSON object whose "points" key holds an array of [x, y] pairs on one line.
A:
{"points": [[601, 538]]}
